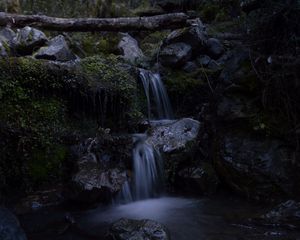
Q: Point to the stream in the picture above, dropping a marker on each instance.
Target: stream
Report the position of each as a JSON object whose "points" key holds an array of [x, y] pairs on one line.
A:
{"points": [[218, 218]]}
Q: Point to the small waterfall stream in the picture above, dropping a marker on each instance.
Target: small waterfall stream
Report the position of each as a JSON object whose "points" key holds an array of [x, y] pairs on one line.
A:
{"points": [[147, 162], [155, 91]]}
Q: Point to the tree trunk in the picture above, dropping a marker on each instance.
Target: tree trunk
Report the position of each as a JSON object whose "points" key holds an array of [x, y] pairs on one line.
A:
{"points": [[165, 21]]}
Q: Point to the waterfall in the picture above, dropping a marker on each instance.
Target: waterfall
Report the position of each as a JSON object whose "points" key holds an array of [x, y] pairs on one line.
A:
{"points": [[147, 168], [155, 91], [147, 162]]}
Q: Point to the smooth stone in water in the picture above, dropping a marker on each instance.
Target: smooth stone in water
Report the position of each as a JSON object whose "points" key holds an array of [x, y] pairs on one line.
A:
{"points": [[10, 228], [129, 229]]}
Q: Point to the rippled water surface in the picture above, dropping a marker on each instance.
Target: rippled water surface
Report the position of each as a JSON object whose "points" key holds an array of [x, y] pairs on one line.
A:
{"points": [[187, 219]]}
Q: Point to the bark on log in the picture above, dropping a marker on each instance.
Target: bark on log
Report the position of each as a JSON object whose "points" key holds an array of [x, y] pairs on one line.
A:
{"points": [[165, 21]]}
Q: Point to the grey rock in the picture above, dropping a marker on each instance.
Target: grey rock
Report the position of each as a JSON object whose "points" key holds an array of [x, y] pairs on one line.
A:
{"points": [[176, 54], [256, 168], [198, 179], [57, 50], [175, 135], [28, 39], [92, 183], [128, 229], [10, 228], [232, 108], [215, 48], [194, 36], [6, 38], [203, 60], [190, 67], [286, 214], [130, 49]]}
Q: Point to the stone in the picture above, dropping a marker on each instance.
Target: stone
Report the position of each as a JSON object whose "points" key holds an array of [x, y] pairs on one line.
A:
{"points": [[6, 37], [190, 67], [215, 48], [176, 54], [286, 214], [194, 36], [92, 183], [198, 179], [10, 228], [255, 167], [130, 49], [57, 50], [203, 60], [129, 229], [174, 136], [28, 40]]}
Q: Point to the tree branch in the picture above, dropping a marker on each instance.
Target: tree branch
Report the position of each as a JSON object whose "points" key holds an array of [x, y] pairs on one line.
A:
{"points": [[165, 21]]}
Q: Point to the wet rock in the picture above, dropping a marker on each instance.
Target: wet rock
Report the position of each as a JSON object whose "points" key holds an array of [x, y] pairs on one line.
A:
{"points": [[92, 183], [257, 168], [176, 54], [194, 36], [190, 67], [215, 48], [10, 228], [174, 135], [38, 200], [286, 214], [233, 108], [28, 40], [6, 37], [198, 180], [57, 50], [128, 229], [130, 49], [203, 60]]}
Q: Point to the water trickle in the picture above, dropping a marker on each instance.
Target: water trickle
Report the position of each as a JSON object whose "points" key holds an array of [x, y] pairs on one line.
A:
{"points": [[155, 91], [147, 169]]}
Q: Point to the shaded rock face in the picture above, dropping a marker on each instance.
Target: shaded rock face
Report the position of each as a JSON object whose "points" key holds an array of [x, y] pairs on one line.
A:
{"points": [[174, 135], [57, 50], [200, 179], [215, 48], [6, 37], [130, 49], [100, 170], [286, 214], [128, 229], [10, 228], [27, 40], [256, 168], [175, 54]]}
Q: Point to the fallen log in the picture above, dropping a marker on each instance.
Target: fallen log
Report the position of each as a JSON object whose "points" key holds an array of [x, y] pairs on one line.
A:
{"points": [[158, 22]]}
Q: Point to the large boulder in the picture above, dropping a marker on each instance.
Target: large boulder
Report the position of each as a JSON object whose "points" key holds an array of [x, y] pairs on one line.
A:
{"points": [[215, 48], [92, 183], [128, 229], [57, 50], [286, 214], [130, 49], [100, 168], [28, 40], [6, 38], [174, 136], [200, 179], [255, 167], [176, 54], [10, 228]]}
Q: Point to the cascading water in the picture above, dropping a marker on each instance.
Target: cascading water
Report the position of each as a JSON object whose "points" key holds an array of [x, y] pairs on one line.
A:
{"points": [[147, 162], [154, 89], [147, 169]]}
